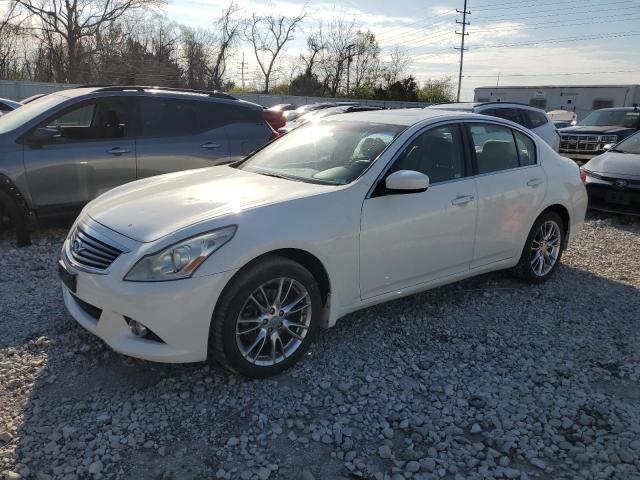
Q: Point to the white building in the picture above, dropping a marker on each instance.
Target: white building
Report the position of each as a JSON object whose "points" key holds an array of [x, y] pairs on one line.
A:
{"points": [[581, 99]]}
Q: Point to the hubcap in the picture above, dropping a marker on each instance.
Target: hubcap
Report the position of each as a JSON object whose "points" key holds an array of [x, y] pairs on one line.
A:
{"points": [[273, 321], [545, 248]]}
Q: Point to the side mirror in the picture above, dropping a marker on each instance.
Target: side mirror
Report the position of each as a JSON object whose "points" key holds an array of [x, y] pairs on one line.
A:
{"points": [[407, 181], [608, 146], [45, 135]]}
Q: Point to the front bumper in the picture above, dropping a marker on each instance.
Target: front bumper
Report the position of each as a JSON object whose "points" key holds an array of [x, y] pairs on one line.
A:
{"points": [[608, 198], [178, 312]]}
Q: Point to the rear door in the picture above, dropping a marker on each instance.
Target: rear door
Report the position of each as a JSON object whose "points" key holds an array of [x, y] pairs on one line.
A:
{"points": [[179, 134], [511, 185], [94, 153], [246, 129]]}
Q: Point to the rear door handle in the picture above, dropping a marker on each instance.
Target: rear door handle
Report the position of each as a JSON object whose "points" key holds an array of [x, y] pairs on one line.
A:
{"points": [[117, 151], [534, 182], [462, 200], [210, 145]]}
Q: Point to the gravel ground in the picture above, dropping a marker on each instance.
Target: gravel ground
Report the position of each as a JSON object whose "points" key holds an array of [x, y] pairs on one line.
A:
{"points": [[487, 378]]}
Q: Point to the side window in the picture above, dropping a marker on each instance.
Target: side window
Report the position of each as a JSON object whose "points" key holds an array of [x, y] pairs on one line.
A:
{"points": [[533, 119], [169, 117], [512, 114], [602, 103], [526, 149], [213, 115], [438, 153], [102, 119], [240, 114], [494, 146]]}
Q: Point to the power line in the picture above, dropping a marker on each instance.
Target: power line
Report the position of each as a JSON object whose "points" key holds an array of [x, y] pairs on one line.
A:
{"points": [[553, 74], [462, 34], [540, 42]]}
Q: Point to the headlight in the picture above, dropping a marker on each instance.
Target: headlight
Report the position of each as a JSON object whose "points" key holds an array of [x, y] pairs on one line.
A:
{"points": [[181, 259], [609, 138]]}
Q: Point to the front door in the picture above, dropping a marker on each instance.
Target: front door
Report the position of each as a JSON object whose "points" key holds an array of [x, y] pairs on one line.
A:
{"points": [[414, 238], [94, 152]]}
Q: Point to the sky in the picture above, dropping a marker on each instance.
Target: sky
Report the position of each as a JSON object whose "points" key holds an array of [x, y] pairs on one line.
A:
{"points": [[518, 42]]}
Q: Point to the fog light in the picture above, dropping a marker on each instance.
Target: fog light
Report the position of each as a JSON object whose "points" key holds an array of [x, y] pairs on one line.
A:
{"points": [[137, 328]]}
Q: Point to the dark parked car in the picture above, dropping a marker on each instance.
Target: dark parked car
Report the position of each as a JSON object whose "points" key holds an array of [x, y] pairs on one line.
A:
{"points": [[613, 178], [60, 151], [601, 127]]}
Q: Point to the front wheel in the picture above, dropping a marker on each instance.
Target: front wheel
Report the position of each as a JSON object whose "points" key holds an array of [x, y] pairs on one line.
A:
{"points": [[266, 318], [542, 251]]}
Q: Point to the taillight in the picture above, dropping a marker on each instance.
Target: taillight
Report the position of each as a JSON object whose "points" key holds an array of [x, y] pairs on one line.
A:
{"points": [[583, 175], [275, 119]]}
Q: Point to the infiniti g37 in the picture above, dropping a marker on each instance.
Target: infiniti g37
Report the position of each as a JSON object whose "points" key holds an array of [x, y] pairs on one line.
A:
{"points": [[245, 263]]}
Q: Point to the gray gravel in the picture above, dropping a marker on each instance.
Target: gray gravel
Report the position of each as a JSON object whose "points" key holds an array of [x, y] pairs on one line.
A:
{"points": [[487, 378]]}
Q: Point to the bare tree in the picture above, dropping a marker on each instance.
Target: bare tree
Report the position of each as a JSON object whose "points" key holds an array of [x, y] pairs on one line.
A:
{"points": [[268, 35], [338, 39], [396, 66], [367, 61], [76, 20], [315, 45], [230, 28]]}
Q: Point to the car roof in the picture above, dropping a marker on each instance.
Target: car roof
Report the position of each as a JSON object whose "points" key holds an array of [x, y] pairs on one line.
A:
{"points": [[618, 109], [11, 103], [214, 95], [404, 116]]}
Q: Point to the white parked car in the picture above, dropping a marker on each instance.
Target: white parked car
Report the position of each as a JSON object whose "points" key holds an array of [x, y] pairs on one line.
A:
{"points": [[530, 117], [245, 263]]}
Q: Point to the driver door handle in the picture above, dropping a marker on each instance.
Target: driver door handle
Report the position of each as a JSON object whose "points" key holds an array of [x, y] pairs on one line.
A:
{"points": [[534, 182], [210, 145], [462, 200], [117, 150]]}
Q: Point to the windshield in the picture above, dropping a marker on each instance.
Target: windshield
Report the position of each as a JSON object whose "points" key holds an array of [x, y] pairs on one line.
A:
{"points": [[612, 118], [20, 116], [329, 152], [629, 145]]}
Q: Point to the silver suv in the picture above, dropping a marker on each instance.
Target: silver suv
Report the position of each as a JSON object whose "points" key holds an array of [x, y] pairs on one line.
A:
{"points": [[62, 150]]}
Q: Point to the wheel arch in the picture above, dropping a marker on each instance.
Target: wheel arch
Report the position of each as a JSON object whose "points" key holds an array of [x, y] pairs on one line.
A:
{"points": [[304, 258], [8, 187], [563, 213]]}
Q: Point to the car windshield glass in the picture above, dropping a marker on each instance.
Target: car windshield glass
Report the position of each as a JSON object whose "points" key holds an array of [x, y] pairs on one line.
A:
{"points": [[19, 116], [629, 145], [330, 152], [613, 118]]}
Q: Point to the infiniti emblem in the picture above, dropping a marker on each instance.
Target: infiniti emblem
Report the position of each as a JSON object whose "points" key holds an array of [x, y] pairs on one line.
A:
{"points": [[77, 246], [621, 183]]}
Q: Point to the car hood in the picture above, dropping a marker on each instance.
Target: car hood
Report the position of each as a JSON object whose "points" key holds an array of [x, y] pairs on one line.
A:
{"points": [[152, 208], [613, 163], [606, 130]]}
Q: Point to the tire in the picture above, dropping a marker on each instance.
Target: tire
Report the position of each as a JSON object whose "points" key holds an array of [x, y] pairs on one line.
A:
{"points": [[528, 268], [17, 216], [242, 318]]}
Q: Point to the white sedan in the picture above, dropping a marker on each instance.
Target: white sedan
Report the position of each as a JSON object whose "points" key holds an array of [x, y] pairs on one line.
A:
{"points": [[245, 263]]}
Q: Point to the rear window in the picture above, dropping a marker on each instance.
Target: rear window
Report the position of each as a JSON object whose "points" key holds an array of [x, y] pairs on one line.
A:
{"points": [[512, 114], [533, 119]]}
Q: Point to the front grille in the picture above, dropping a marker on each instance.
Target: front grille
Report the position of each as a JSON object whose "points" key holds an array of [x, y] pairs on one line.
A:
{"points": [[88, 251], [580, 143]]}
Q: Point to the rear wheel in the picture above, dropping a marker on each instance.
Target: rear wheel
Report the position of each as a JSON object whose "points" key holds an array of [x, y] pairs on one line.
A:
{"points": [[266, 318], [542, 251]]}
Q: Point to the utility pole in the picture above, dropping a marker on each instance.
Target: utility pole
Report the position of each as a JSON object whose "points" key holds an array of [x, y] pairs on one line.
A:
{"points": [[349, 57], [498, 80], [464, 33], [241, 67]]}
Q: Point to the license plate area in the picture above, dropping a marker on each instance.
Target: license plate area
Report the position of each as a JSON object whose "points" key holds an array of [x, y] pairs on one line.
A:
{"points": [[69, 279], [619, 198]]}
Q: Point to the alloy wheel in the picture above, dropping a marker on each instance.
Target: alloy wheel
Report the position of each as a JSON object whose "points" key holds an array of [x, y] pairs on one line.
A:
{"points": [[545, 248], [273, 321]]}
